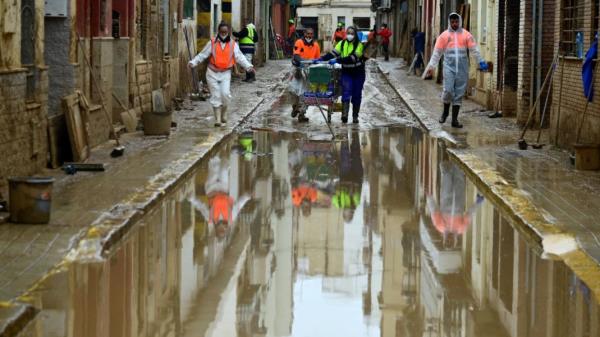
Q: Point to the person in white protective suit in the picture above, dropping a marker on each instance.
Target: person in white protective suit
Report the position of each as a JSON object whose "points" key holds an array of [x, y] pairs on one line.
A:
{"points": [[222, 52], [455, 44]]}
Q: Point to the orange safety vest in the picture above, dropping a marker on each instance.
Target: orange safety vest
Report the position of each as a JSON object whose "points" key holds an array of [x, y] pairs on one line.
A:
{"points": [[222, 59], [307, 52], [220, 206]]}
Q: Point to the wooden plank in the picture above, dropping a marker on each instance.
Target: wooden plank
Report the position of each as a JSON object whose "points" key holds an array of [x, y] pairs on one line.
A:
{"points": [[76, 128]]}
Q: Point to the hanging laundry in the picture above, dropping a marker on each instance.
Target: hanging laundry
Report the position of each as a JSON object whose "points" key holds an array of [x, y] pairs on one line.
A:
{"points": [[587, 70]]}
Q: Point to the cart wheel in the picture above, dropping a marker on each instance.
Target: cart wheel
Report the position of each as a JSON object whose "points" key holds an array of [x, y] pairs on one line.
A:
{"points": [[329, 111]]}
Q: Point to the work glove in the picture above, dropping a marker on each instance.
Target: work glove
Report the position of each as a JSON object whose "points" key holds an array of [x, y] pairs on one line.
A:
{"points": [[332, 61], [483, 66], [296, 60]]}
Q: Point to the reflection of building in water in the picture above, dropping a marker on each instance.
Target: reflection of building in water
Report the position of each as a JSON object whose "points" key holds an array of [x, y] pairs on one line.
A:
{"points": [[490, 282], [395, 220], [326, 234]]}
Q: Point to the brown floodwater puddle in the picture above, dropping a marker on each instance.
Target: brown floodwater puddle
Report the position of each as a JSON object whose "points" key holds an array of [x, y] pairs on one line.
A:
{"points": [[378, 234]]}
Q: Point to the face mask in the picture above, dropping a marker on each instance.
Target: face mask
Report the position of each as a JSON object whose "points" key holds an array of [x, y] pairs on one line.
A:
{"points": [[223, 37], [308, 40], [350, 37]]}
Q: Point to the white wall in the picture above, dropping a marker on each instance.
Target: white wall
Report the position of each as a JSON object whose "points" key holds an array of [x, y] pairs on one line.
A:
{"points": [[334, 12], [236, 15]]}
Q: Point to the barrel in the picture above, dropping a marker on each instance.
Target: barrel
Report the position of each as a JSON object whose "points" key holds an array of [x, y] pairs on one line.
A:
{"points": [[30, 199]]}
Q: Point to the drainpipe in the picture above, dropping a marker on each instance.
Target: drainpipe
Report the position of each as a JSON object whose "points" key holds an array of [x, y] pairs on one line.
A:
{"points": [[533, 48], [540, 24]]}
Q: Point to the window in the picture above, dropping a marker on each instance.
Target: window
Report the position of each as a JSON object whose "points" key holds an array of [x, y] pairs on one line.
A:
{"points": [[573, 12], [116, 24], [188, 9], [28, 46], [215, 18], [341, 19], [362, 23]]}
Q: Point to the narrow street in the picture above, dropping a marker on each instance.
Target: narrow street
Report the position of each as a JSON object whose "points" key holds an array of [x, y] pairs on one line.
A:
{"points": [[305, 168], [379, 232]]}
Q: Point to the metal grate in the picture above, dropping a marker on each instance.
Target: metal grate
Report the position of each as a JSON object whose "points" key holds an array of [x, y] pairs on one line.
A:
{"points": [[573, 14]]}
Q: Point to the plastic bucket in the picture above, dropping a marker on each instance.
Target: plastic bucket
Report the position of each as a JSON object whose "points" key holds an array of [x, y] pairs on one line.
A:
{"points": [[157, 123], [30, 199]]}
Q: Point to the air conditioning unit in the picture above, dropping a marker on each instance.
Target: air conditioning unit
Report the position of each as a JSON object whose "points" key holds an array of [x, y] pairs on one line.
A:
{"points": [[56, 8], [385, 4]]}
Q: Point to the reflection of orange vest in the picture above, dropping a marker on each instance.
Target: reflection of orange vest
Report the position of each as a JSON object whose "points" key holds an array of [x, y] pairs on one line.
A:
{"points": [[222, 59], [302, 193], [449, 223], [220, 206]]}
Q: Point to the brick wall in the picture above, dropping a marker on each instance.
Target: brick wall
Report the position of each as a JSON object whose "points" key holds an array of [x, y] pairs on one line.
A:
{"points": [[572, 107], [23, 142], [524, 62]]}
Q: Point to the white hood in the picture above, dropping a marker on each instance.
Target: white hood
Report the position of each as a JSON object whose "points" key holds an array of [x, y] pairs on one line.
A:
{"points": [[460, 22]]}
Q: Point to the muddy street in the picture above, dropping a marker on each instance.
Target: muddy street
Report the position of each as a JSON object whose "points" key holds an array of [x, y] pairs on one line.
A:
{"points": [[277, 234]]}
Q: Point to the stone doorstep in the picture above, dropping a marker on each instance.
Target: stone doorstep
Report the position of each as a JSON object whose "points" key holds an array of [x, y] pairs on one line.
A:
{"points": [[116, 223], [525, 216]]}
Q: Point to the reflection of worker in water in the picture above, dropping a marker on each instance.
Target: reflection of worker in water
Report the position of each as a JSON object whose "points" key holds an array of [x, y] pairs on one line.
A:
{"points": [[347, 195], [450, 218], [303, 196], [222, 210]]}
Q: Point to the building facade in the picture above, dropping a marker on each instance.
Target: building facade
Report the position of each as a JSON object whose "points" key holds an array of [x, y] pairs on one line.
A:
{"points": [[113, 53]]}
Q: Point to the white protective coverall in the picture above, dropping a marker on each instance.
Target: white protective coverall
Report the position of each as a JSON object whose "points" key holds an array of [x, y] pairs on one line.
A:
{"points": [[455, 45], [219, 81]]}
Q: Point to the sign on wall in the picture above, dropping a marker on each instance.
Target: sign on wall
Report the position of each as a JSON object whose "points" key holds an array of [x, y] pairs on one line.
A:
{"points": [[56, 8]]}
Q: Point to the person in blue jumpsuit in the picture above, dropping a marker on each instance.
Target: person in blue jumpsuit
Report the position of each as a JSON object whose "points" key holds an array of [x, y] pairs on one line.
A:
{"points": [[349, 53]]}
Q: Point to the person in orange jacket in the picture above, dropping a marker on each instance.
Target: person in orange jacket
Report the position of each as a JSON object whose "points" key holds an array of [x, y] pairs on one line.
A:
{"points": [[339, 34], [385, 34], [305, 49]]}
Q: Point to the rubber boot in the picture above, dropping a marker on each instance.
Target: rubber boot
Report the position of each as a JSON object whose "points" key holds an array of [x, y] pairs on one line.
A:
{"points": [[217, 112], [224, 114], [249, 77], [455, 123], [302, 117], [355, 112], [345, 110], [445, 113]]}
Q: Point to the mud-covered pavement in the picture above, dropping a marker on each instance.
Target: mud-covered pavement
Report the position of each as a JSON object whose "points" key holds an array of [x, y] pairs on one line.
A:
{"points": [[280, 231]]}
